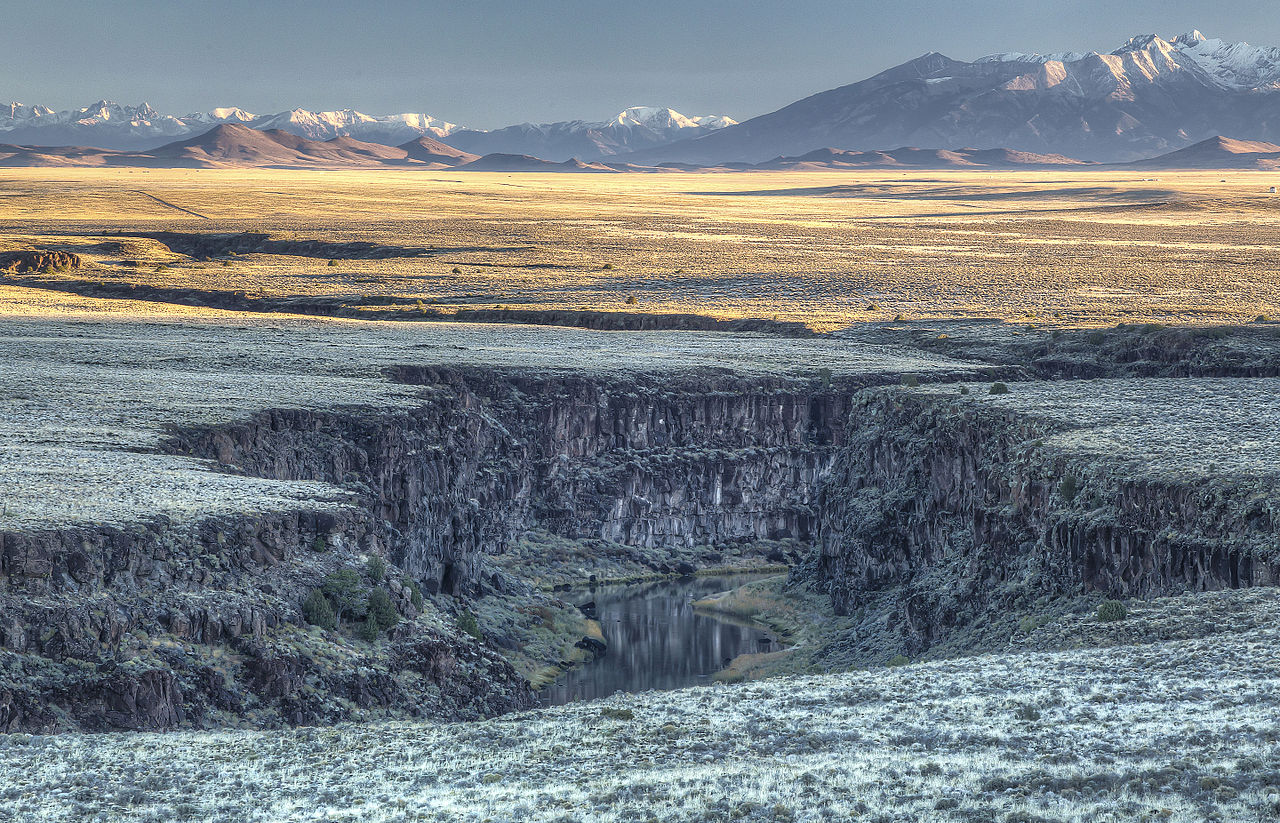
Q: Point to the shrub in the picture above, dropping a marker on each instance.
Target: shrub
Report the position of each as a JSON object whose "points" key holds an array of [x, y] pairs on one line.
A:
{"points": [[368, 630], [381, 610], [964, 389], [1112, 611], [873, 306], [333, 263], [468, 623], [1096, 338], [345, 593], [376, 568], [1069, 488], [317, 611], [457, 270], [910, 381], [617, 714], [999, 388], [415, 593], [607, 267], [898, 660], [632, 300]]}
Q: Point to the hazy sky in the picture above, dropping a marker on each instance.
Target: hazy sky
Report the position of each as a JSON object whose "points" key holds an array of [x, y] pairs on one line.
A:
{"points": [[487, 64]]}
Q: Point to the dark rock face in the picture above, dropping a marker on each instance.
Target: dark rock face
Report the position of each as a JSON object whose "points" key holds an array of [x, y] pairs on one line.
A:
{"points": [[637, 462], [38, 260], [958, 511], [190, 625], [951, 511]]}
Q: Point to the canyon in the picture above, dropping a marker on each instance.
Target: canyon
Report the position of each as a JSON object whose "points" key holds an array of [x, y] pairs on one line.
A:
{"points": [[896, 481]]}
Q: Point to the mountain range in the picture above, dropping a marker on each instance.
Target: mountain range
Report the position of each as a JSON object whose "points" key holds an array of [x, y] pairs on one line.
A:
{"points": [[1148, 97], [109, 125], [233, 145]]}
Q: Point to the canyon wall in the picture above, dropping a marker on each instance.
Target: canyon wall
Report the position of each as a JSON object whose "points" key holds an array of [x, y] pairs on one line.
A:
{"points": [[162, 625], [961, 511]]}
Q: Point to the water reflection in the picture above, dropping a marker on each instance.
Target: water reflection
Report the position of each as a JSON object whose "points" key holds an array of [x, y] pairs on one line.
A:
{"points": [[655, 639]]}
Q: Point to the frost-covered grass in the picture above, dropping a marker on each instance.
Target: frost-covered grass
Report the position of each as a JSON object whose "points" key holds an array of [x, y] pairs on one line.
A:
{"points": [[1175, 731], [86, 397], [1158, 428]]}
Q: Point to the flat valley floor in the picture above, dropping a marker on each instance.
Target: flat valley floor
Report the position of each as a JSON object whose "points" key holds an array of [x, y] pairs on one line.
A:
{"points": [[824, 249]]}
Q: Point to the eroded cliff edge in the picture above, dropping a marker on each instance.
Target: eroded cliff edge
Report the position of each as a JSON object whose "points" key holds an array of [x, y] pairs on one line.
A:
{"points": [[167, 625], [945, 518], [961, 520]]}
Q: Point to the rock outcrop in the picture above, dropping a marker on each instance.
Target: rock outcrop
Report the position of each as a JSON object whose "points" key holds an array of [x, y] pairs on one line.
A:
{"points": [[178, 625], [954, 512], [37, 260]]}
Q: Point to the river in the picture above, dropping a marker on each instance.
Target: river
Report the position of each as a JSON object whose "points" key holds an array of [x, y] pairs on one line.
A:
{"points": [[656, 641]]}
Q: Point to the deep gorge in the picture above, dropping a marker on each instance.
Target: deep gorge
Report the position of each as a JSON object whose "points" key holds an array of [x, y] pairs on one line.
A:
{"points": [[948, 513]]}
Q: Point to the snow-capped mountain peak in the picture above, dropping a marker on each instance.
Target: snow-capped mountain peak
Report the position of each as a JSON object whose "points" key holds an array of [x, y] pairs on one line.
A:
{"points": [[1232, 65], [664, 119]]}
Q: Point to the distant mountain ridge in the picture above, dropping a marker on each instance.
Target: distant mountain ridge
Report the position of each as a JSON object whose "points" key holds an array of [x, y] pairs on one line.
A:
{"points": [[1218, 153], [234, 145], [1148, 97], [634, 129], [110, 125]]}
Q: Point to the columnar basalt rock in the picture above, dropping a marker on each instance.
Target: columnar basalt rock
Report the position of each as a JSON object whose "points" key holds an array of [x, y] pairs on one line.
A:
{"points": [[962, 510], [949, 510]]}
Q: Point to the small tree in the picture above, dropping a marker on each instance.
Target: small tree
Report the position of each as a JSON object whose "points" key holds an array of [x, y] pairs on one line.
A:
{"points": [[368, 630], [317, 611], [376, 568], [468, 623], [344, 593], [381, 610], [415, 593]]}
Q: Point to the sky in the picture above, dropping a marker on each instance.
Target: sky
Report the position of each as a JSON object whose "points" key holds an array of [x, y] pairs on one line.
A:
{"points": [[487, 64]]}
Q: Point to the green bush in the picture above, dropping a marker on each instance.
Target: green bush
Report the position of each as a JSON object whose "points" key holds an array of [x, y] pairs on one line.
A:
{"points": [[1069, 488], [910, 381], [345, 593], [368, 630], [999, 388], [617, 714], [468, 623], [1112, 611], [415, 593], [381, 610], [333, 263], [898, 660], [317, 611], [632, 300], [376, 568]]}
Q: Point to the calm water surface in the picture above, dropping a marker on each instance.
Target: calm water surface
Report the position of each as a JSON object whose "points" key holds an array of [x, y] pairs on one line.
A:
{"points": [[655, 639]]}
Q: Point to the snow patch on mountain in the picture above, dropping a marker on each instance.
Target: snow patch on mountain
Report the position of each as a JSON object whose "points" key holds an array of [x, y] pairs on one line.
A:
{"points": [[1231, 65]]}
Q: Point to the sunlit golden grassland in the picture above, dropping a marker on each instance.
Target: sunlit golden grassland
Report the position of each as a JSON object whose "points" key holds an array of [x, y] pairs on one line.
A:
{"points": [[828, 249]]}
